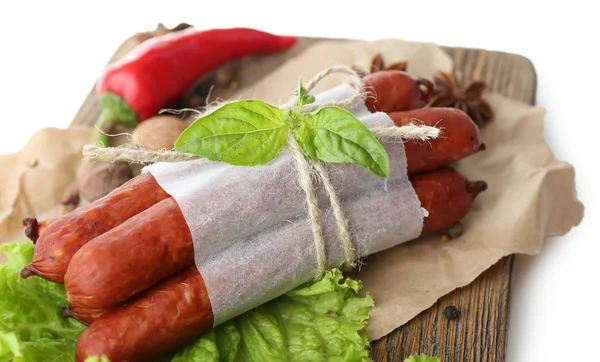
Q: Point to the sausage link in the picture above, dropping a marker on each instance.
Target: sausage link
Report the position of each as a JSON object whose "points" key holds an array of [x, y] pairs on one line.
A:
{"points": [[446, 195], [395, 90], [178, 310], [62, 239], [164, 318], [130, 258], [459, 138], [97, 279]]}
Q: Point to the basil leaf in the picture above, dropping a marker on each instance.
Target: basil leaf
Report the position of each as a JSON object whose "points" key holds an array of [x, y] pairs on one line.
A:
{"points": [[336, 135], [304, 138], [245, 133]]}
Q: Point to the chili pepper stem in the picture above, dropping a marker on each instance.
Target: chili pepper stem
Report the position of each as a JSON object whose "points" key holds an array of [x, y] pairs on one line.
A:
{"points": [[114, 111], [104, 124]]}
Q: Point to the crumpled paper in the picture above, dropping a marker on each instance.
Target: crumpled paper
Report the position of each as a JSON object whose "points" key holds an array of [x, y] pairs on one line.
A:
{"points": [[531, 194], [35, 180]]}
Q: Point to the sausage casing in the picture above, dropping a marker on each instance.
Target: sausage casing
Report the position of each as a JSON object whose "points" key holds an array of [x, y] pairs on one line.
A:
{"points": [[395, 90], [458, 139], [164, 318], [446, 195], [63, 237], [142, 251]]}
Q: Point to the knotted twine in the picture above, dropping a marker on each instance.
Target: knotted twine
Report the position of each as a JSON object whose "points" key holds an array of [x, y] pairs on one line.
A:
{"points": [[308, 171]]}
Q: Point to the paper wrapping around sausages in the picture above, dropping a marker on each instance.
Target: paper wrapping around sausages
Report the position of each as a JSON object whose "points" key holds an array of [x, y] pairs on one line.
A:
{"points": [[252, 236]]}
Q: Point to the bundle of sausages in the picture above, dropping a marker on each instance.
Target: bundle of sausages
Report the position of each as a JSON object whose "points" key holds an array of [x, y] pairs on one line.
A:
{"points": [[128, 259]]}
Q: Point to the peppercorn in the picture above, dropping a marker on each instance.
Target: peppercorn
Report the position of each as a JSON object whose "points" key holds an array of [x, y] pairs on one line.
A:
{"points": [[451, 313]]}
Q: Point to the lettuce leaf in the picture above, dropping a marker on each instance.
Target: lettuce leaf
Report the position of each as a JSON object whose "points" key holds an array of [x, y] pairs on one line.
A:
{"points": [[318, 322], [31, 327], [321, 321]]}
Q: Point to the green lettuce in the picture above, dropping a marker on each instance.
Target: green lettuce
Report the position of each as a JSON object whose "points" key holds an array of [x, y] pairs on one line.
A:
{"points": [[321, 321], [31, 327]]}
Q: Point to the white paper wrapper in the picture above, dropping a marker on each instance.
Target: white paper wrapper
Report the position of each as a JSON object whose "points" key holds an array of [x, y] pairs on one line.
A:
{"points": [[252, 237]]}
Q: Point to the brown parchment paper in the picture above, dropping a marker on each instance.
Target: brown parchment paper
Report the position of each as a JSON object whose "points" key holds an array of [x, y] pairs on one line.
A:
{"points": [[530, 194], [35, 180]]}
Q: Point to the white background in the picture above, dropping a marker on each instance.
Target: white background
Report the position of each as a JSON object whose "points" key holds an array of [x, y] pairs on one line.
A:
{"points": [[52, 52]]}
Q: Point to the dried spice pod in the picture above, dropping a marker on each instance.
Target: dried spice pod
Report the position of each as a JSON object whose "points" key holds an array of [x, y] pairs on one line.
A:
{"points": [[378, 65], [450, 92]]}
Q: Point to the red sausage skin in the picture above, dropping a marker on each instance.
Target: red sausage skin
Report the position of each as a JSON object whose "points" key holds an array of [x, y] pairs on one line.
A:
{"points": [[458, 139], [446, 195], [130, 258], [170, 315], [63, 237], [395, 90]]}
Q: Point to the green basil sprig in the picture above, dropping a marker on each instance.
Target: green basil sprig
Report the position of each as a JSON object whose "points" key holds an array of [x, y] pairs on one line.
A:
{"points": [[252, 132]]}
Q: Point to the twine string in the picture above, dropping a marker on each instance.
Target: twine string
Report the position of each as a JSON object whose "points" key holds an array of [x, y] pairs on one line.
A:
{"points": [[308, 172]]}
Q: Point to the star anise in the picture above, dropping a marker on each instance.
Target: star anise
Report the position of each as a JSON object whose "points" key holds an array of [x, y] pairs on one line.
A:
{"points": [[378, 65], [449, 93]]}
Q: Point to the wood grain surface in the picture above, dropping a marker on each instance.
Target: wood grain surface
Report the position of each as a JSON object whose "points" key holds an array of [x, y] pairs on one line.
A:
{"points": [[480, 333]]}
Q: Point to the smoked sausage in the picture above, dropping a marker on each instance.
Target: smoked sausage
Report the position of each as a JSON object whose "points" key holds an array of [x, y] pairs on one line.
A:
{"points": [[170, 315], [178, 310], [458, 139], [130, 258], [62, 238], [446, 195], [395, 90], [96, 279]]}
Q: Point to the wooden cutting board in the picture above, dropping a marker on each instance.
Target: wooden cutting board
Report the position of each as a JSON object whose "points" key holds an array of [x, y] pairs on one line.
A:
{"points": [[480, 333]]}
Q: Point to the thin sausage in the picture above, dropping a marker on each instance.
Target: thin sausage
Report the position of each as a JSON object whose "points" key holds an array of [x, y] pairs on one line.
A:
{"points": [[62, 239], [459, 138], [170, 315], [130, 258], [395, 90], [446, 195]]}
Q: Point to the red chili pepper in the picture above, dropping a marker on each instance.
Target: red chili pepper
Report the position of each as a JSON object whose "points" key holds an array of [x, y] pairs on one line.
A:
{"points": [[160, 70]]}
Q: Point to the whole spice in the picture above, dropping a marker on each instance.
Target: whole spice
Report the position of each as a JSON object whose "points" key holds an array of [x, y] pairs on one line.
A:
{"points": [[162, 69], [97, 179], [449, 92], [451, 313], [378, 65], [159, 132]]}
